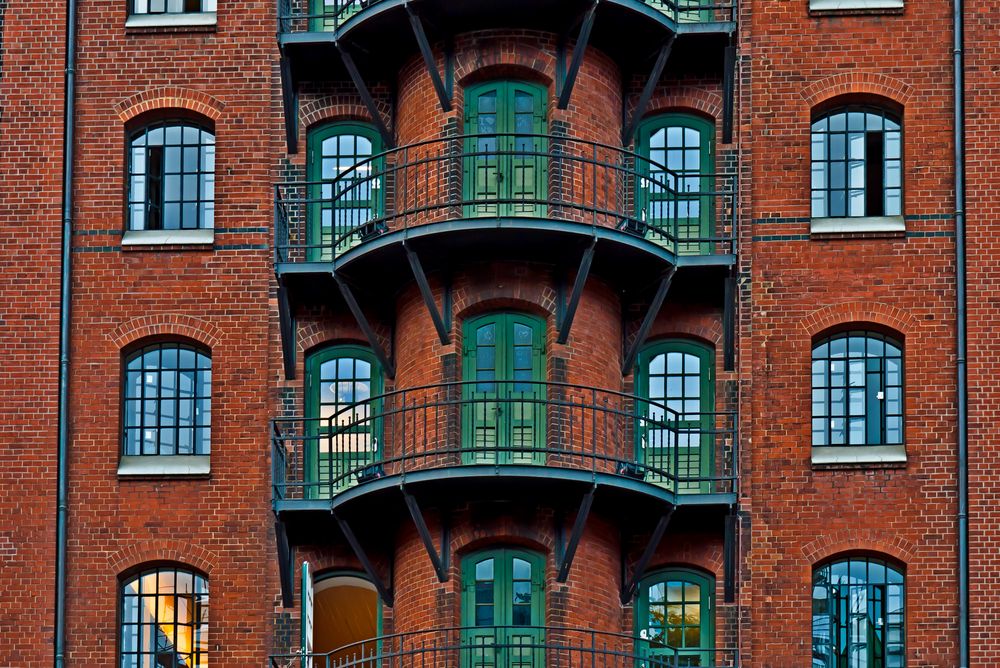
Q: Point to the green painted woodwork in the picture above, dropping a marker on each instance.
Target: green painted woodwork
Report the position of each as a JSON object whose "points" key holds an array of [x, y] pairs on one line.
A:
{"points": [[336, 378], [503, 606], [676, 611], [327, 15], [679, 375], [499, 415], [507, 173]]}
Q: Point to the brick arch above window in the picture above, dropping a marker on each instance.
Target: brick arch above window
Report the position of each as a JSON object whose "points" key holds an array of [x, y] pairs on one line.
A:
{"points": [[685, 99], [856, 83], [849, 313], [173, 97], [333, 109], [165, 550], [175, 324], [486, 63], [872, 542]]}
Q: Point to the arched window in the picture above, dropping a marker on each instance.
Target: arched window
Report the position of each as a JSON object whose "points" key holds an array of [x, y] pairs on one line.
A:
{"points": [[858, 608], [164, 619], [345, 190], [171, 176], [676, 200], [343, 421], [168, 400], [857, 163], [676, 378], [857, 390], [675, 616]]}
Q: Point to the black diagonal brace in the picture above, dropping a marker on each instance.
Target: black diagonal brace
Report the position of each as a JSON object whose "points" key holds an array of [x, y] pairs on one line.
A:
{"points": [[574, 538], [566, 90], [647, 91], [290, 104], [352, 304], [441, 323], [574, 299], [647, 321], [384, 589], [366, 96], [639, 571], [728, 93], [438, 561], [443, 90], [286, 564], [730, 555], [289, 330]]}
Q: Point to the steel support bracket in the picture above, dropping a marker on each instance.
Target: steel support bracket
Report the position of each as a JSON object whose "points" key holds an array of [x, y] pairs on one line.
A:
{"points": [[442, 317], [569, 313], [286, 564], [647, 321], [289, 330], [628, 134], [439, 560], [729, 323], [366, 96], [568, 80], [384, 588], [352, 304], [630, 587], [567, 552], [728, 93], [290, 103], [444, 87], [730, 555]]}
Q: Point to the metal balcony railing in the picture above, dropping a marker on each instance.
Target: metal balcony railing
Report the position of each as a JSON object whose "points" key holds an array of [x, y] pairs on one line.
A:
{"points": [[512, 647], [330, 15], [491, 176], [499, 424]]}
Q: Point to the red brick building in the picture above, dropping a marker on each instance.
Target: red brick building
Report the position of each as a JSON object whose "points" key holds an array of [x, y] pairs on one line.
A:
{"points": [[624, 332]]}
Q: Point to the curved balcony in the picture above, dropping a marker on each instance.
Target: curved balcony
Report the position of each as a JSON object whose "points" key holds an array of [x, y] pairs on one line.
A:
{"points": [[488, 196], [499, 440], [512, 647]]}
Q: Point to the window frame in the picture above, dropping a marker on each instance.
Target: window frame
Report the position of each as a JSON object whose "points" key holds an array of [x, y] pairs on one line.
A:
{"points": [[202, 10], [707, 583]]}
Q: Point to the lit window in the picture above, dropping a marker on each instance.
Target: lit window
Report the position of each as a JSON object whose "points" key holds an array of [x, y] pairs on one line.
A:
{"points": [[675, 618], [172, 6], [164, 620], [857, 390], [171, 171], [168, 401], [857, 164], [858, 615]]}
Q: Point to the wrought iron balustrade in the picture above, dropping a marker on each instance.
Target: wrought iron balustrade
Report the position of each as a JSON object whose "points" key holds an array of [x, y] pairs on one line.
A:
{"points": [[500, 424], [491, 176], [512, 647]]}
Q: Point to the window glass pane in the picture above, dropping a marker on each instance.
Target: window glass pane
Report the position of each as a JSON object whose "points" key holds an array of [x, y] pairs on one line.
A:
{"points": [[158, 628]]}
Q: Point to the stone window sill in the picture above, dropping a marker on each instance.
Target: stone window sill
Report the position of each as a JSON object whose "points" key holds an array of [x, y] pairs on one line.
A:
{"points": [[854, 5], [168, 238], [860, 225], [189, 20], [155, 466], [859, 456]]}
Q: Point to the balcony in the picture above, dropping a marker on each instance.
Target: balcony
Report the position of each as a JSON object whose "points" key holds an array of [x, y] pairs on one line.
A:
{"points": [[499, 440], [512, 647]]}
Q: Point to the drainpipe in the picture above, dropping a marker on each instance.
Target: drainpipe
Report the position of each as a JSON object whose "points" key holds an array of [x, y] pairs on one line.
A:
{"points": [[963, 399], [62, 493]]}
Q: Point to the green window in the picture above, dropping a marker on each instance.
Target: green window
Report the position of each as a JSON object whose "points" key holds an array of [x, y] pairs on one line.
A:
{"points": [[675, 618], [164, 619], [327, 15], [343, 422], [345, 187], [857, 390], [506, 164], [676, 378], [675, 198], [503, 609], [858, 607], [504, 396]]}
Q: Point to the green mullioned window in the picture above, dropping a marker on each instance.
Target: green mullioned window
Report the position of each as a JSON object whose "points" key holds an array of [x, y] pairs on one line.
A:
{"points": [[504, 398], [503, 608], [858, 608], [327, 15], [675, 199], [506, 166], [677, 378], [675, 617], [343, 424], [345, 187]]}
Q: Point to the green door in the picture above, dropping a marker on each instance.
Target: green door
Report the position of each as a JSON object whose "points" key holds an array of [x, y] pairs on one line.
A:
{"points": [[503, 610], [675, 427], [674, 619], [504, 401], [345, 188], [506, 166], [343, 425], [676, 200]]}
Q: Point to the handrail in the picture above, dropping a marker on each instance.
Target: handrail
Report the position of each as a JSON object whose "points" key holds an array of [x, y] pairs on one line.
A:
{"points": [[497, 645], [505, 175], [499, 423]]}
